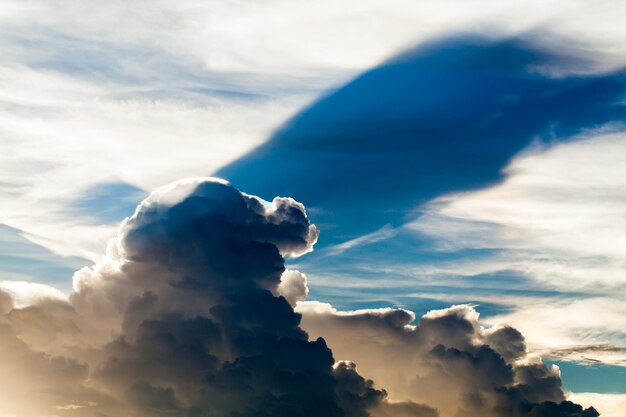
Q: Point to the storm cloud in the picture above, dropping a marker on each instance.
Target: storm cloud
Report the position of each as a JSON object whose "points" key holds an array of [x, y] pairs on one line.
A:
{"points": [[191, 313]]}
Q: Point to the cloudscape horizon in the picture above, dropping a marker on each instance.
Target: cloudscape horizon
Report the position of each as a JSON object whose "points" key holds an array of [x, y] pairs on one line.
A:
{"points": [[363, 208]]}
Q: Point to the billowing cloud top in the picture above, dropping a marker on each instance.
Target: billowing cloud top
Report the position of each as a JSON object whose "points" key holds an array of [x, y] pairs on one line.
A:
{"points": [[183, 317], [191, 314]]}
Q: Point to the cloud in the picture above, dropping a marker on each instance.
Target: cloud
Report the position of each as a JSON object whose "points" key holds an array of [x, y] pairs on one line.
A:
{"points": [[609, 405], [87, 78], [584, 329], [562, 198], [56, 121], [33, 381], [356, 35], [486, 99], [293, 286], [25, 293], [557, 220], [183, 317], [6, 303], [446, 360], [190, 314], [70, 73], [381, 234]]}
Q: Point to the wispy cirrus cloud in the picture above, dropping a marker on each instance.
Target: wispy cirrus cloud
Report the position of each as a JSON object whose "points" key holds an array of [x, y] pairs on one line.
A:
{"points": [[557, 219], [63, 136], [542, 250], [117, 79]]}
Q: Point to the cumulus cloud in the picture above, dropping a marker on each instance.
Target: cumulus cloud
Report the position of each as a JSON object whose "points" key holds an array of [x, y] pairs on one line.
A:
{"points": [[184, 317], [191, 314], [293, 286], [447, 360]]}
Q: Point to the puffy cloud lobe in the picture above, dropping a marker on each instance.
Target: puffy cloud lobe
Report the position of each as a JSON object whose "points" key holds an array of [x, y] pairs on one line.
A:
{"points": [[293, 286], [507, 341], [446, 360], [356, 393], [191, 314]]}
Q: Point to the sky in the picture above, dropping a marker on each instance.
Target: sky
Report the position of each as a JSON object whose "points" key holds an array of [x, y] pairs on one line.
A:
{"points": [[360, 208]]}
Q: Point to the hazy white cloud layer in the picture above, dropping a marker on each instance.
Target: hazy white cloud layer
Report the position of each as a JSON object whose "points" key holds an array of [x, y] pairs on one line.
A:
{"points": [[190, 313], [557, 219], [94, 92], [63, 135], [566, 199]]}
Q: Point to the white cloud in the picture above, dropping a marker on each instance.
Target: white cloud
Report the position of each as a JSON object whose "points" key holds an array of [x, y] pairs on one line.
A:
{"points": [[559, 212], [61, 136], [293, 286], [28, 293], [383, 233], [558, 219], [584, 329], [98, 91], [608, 405], [288, 37]]}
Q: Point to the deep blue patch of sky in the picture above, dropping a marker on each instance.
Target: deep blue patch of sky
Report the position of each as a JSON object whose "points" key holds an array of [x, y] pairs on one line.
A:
{"points": [[593, 377], [445, 117]]}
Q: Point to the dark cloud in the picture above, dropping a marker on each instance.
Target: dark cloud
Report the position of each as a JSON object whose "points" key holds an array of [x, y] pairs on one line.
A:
{"points": [[507, 341], [191, 314], [358, 396], [186, 317], [515, 406], [208, 336], [404, 409], [355, 392]]}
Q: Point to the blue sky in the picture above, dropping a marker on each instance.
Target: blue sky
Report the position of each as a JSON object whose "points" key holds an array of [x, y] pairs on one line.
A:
{"points": [[462, 153]]}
